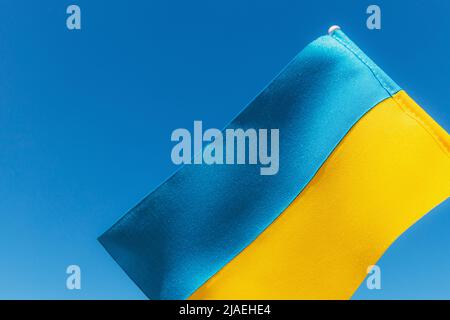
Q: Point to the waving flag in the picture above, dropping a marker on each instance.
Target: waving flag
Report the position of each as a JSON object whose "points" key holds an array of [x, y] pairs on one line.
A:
{"points": [[359, 163]]}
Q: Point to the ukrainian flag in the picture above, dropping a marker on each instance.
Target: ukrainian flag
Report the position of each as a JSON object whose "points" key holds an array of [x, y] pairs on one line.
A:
{"points": [[360, 162]]}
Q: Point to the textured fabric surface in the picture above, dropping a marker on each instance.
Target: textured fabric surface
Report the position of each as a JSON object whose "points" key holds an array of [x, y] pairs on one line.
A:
{"points": [[391, 169], [203, 216]]}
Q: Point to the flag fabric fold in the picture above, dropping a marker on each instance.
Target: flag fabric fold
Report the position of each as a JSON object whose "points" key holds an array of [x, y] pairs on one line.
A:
{"points": [[226, 231]]}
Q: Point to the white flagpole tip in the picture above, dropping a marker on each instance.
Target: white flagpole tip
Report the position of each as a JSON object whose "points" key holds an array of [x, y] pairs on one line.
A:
{"points": [[333, 29]]}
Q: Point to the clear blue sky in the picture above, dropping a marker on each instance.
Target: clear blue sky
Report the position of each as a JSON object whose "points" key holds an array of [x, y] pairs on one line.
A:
{"points": [[86, 116]]}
